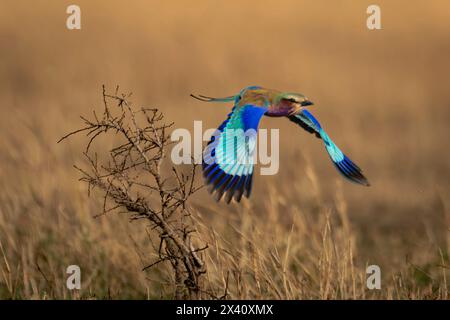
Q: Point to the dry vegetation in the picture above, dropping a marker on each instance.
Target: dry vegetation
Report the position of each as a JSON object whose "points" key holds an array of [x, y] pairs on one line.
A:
{"points": [[305, 233]]}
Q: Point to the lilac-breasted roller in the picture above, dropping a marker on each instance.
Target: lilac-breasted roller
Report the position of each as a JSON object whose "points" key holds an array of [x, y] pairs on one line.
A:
{"points": [[228, 157]]}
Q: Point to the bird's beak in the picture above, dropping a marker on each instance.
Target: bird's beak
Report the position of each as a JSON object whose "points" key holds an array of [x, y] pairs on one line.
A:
{"points": [[306, 103]]}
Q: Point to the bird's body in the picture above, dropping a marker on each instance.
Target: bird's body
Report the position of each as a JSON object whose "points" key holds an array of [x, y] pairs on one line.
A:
{"points": [[270, 99], [227, 160]]}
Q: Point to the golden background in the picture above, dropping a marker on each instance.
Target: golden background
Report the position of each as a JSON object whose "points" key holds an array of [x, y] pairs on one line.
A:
{"points": [[382, 95]]}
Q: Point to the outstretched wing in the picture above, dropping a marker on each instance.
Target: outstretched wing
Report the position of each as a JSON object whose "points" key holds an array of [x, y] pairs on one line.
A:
{"points": [[345, 166], [228, 157]]}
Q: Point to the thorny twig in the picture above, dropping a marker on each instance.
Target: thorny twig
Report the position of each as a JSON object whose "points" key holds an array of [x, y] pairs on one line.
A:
{"points": [[132, 180]]}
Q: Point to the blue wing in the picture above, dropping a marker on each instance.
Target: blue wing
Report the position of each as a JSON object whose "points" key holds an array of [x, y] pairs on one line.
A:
{"points": [[229, 157], [345, 166]]}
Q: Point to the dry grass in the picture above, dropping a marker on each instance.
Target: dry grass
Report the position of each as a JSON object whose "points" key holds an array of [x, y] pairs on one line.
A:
{"points": [[383, 96]]}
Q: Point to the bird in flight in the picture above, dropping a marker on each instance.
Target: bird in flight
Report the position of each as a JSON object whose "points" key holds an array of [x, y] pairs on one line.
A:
{"points": [[227, 159]]}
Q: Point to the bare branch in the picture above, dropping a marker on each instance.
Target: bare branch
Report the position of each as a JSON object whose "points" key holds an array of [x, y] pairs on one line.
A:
{"points": [[131, 178]]}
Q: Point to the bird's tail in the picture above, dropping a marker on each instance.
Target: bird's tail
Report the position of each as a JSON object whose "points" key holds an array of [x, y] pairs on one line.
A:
{"points": [[210, 99]]}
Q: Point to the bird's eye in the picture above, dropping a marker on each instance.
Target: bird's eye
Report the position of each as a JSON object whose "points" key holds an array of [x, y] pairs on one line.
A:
{"points": [[292, 100]]}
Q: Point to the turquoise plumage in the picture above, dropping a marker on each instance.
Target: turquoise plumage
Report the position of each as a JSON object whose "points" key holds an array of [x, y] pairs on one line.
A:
{"points": [[229, 157]]}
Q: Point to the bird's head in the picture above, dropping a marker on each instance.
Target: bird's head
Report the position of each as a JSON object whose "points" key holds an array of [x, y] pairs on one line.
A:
{"points": [[295, 100]]}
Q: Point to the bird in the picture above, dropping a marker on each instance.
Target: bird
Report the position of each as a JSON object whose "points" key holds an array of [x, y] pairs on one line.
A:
{"points": [[230, 173]]}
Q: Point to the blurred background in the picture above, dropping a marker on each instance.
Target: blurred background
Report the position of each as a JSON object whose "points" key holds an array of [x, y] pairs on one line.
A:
{"points": [[382, 95]]}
